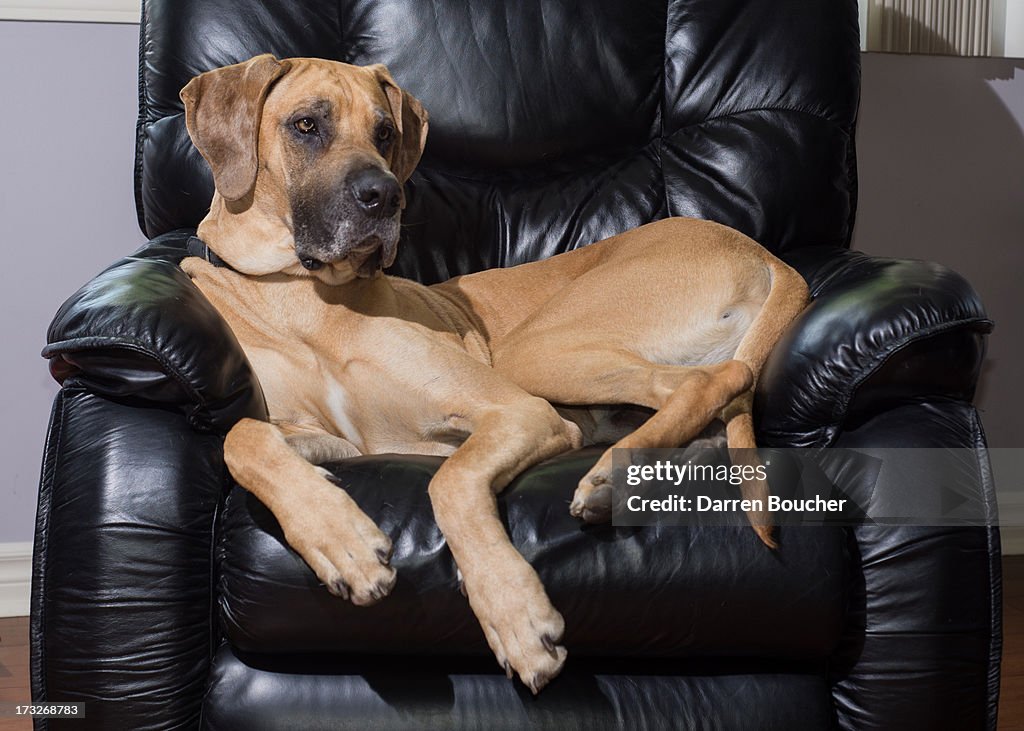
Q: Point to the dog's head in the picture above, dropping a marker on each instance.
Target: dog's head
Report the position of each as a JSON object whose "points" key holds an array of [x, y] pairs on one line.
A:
{"points": [[308, 159]]}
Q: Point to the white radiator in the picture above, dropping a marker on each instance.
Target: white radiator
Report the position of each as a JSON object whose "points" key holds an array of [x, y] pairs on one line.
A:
{"points": [[952, 27]]}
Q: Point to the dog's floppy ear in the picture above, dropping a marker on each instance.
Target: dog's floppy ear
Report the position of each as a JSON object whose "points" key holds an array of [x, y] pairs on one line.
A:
{"points": [[411, 120], [222, 113]]}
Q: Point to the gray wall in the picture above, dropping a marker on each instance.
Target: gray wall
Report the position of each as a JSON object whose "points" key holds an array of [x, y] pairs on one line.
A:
{"points": [[941, 159], [67, 124], [942, 177]]}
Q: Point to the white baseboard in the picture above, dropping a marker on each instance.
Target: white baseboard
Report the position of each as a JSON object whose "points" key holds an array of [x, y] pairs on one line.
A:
{"points": [[15, 578]]}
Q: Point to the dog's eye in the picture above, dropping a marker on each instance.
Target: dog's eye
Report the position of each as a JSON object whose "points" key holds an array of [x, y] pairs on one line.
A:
{"points": [[306, 125], [384, 134]]}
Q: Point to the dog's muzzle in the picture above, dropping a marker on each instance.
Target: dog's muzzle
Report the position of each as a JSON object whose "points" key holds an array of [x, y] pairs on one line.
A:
{"points": [[356, 220]]}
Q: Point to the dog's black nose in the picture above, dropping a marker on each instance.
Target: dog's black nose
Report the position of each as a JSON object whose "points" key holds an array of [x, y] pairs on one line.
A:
{"points": [[376, 192]]}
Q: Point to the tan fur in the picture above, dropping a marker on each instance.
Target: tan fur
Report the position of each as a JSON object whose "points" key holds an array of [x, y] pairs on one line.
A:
{"points": [[677, 316]]}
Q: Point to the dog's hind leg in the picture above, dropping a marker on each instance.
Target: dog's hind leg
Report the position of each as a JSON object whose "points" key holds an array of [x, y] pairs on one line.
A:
{"points": [[739, 430], [685, 398], [787, 298], [345, 549], [701, 392], [594, 374]]}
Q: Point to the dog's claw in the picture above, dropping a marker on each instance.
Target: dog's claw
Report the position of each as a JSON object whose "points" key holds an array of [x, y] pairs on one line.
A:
{"points": [[549, 644], [508, 670], [539, 682], [389, 584], [385, 555], [339, 588]]}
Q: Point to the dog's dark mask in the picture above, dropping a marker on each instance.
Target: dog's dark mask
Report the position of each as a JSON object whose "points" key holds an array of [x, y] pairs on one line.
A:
{"points": [[352, 215]]}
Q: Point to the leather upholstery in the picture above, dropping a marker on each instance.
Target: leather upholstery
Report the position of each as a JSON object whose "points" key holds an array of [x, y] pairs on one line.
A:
{"points": [[379, 694], [720, 593], [163, 594], [844, 359], [923, 634], [142, 330], [121, 595], [552, 126]]}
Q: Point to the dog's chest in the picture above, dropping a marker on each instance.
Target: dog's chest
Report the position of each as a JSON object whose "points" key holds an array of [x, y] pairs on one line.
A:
{"points": [[379, 380], [376, 386]]}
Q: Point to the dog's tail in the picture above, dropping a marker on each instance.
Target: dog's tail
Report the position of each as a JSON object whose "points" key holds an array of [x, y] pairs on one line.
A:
{"points": [[787, 297]]}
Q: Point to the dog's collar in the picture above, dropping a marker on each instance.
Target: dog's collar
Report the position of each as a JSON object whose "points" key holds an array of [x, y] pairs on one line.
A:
{"points": [[197, 247]]}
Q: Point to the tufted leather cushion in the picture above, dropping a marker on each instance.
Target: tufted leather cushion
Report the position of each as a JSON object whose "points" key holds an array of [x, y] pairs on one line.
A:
{"points": [[720, 592], [552, 125]]}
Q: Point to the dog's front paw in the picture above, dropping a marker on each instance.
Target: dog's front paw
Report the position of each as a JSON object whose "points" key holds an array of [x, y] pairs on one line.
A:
{"points": [[592, 501], [522, 627], [344, 548]]}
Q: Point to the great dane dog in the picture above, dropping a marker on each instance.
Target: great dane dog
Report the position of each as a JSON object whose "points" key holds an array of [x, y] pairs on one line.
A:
{"points": [[674, 318]]}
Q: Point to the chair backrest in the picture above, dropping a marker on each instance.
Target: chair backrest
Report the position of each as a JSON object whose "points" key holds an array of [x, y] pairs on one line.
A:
{"points": [[553, 123]]}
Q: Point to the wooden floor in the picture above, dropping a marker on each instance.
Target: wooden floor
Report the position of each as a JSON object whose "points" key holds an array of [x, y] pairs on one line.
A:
{"points": [[14, 682], [1011, 691], [14, 669]]}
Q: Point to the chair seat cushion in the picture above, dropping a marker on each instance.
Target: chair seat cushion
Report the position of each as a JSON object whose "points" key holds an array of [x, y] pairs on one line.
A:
{"points": [[375, 693], [624, 592]]}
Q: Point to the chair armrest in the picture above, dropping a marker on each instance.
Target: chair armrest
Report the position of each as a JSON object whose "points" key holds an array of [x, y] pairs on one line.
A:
{"points": [[923, 631], [142, 331], [879, 332], [123, 589]]}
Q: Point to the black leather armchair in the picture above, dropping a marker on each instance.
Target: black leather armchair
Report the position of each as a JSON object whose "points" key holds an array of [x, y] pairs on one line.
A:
{"points": [[164, 595]]}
